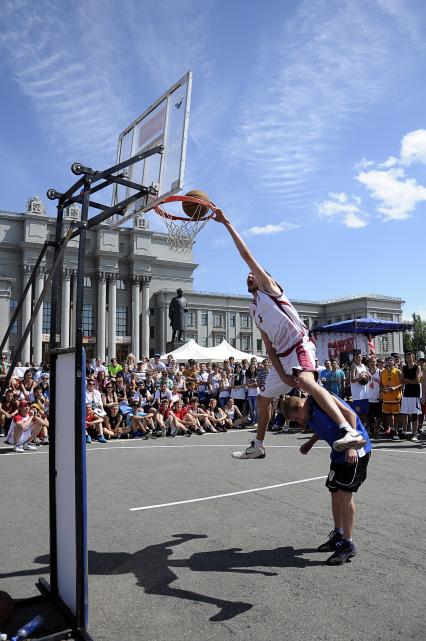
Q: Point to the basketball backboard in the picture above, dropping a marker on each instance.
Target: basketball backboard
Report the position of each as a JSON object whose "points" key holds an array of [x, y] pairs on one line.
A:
{"points": [[165, 123]]}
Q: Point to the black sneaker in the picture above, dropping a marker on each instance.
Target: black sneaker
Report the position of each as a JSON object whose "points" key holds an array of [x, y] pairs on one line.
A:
{"points": [[344, 552], [334, 540]]}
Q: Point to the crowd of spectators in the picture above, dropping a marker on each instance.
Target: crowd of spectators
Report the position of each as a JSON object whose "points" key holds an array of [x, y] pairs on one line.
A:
{"points": [[155, 399]]}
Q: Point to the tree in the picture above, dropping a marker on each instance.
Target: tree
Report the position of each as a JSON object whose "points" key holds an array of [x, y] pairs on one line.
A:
{"points": [[415, 339]]}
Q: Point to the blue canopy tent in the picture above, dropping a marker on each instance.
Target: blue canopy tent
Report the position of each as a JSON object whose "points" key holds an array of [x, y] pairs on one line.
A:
{"points": [[371, 326]]}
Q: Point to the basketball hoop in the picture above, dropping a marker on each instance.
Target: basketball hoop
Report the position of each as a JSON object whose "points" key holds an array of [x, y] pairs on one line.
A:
{"points": [[182, 230]]}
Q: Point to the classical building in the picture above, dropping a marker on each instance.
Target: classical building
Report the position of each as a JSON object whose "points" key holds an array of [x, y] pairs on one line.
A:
{"points": [[131, 277]]}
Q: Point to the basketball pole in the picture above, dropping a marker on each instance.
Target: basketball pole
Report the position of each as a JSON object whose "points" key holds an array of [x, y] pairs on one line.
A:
{"points": [[80, 192]]}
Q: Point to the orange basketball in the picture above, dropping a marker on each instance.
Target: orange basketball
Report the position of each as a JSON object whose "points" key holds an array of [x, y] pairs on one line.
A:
{"points": [[194, 210]]}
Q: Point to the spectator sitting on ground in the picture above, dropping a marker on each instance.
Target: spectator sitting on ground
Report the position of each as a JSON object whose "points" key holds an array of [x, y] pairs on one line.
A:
{"points": [[216, 416], [40, 407], [115, 424], [156, 365], [24, 428], [8, 409], [177, 418], [137, 422], [162, 394], [94, 426], [234, 418], [27, 386], [109, 398]]}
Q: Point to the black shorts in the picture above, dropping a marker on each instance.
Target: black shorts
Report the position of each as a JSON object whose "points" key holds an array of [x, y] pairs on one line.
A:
{"points": [[347, 476], [374, 410]]}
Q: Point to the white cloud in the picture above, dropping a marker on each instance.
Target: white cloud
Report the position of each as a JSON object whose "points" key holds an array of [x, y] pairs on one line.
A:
{"points": [[76, 65], [333, 60], [339, 208], [390, 162], [413, 147], [268, 230], [397, 195], [363, 164]]}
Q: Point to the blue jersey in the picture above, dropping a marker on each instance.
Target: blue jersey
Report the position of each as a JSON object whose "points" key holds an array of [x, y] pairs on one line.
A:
{"points": [[329, 431]]}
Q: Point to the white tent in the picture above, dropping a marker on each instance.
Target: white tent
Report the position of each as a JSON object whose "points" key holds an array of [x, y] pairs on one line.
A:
{"points": [[189, 350], [194, 351], [225, 350]]}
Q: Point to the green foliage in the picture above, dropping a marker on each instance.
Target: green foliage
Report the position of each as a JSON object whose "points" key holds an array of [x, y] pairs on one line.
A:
{"points": [[415, 339]]}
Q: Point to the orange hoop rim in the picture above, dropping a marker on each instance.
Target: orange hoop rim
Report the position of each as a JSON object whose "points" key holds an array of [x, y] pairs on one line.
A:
{"points": [[173, 199]]}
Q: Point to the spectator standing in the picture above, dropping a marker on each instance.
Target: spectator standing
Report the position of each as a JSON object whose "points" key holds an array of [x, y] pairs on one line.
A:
{"points": [[391, 388], [114, 367], [410, 403], [335, 379], [323, 375], [374, 398], [252, 392], [359, 388]]}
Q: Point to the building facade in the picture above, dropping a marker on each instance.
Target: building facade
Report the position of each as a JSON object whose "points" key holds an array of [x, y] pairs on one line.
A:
{"points": [[130, 278]]}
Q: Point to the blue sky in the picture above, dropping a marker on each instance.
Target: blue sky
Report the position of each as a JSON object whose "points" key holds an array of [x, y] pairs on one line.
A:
{"points": [[307, 125]]}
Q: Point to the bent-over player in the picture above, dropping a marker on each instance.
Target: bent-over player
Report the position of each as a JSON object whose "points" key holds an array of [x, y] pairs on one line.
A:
{"points": [[348, 469], [291, 351]]}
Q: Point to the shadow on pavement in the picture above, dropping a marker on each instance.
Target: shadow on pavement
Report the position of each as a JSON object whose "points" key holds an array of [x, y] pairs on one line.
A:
{"points": [[152, 568]]}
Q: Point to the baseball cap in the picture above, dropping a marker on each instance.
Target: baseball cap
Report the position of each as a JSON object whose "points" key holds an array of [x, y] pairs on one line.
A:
{"points": [[23, 404], [157, 355]]}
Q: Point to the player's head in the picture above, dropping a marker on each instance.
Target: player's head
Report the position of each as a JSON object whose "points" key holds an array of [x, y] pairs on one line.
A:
{"points": [[295, 409], [252, 283]]}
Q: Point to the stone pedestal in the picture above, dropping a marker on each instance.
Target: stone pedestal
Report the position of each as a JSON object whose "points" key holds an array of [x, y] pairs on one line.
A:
{"points": [[172, 345]]}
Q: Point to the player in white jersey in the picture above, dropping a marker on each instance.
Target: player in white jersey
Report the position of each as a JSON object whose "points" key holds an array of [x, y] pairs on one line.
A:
{"points": [[291, 352]]}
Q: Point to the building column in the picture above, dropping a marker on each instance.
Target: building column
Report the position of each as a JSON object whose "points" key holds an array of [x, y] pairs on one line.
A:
{"points": [[112, 315], [135, 316], [5, 311], [145, 315], [101, 326], [65, 308], [26, 315], [38, 323]]}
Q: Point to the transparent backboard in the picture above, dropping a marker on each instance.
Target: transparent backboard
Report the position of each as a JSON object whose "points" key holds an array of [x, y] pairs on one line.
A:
{"points": [[164, 123]]}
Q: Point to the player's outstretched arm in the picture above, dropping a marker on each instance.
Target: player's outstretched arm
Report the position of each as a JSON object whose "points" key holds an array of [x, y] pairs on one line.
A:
{"points": [[266, 283]]}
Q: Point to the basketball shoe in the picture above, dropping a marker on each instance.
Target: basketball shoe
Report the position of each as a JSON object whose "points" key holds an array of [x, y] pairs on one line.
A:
{"points": [[253, 451]]}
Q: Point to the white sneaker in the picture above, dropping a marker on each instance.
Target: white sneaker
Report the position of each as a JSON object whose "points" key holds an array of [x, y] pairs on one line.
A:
{"points": [[253, 451], [351, 439], [28, 446], [18, 449]]}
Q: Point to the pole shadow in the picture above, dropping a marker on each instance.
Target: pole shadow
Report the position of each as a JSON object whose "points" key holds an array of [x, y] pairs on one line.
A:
{"points": [[153, 568]]}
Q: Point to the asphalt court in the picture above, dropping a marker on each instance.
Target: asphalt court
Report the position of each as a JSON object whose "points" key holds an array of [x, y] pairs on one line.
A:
{"points": [[187, 543]]}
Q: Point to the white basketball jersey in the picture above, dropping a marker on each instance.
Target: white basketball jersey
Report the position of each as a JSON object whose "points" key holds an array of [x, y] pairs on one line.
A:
{"points": [[277, 317]]}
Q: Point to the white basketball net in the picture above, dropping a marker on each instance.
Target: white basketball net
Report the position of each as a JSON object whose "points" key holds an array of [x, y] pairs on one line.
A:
{"points": [[181, 233]]}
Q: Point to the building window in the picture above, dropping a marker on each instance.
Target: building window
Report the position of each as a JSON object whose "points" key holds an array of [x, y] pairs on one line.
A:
{"points": [[259, 344], [218, 319], [348, 317], [151, 331], [218, 338], [204, 342], [315, 322], [13, 305], [121, 322], [47, 310], [246, 343], [87, 319], [232, 320], [204, 318], [151, 311], [245, 321], [338, 319], [191, 336], [190, 319], [121, 284], [232, 342], [87, 281]]}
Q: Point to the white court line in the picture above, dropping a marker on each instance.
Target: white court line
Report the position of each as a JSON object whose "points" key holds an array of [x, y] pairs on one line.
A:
{"points": [[221, 496]]}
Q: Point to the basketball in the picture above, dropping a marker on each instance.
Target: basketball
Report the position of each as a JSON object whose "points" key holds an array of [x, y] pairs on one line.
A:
{"points": [[363, 379], [6, 607], [194, 210]]}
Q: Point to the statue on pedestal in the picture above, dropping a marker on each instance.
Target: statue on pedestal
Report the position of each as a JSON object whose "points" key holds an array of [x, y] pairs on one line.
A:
{"points": [[177, 310]]}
